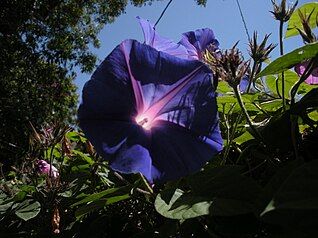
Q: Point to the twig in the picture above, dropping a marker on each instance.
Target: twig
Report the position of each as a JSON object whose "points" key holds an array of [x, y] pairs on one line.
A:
{"points": [[162, 13], [243, 20]]}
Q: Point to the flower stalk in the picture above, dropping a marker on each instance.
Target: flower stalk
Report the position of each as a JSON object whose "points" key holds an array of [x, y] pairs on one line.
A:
{"points": [[281, 49], [311, 65], [282, 13], [259, 52], [247, 117]]}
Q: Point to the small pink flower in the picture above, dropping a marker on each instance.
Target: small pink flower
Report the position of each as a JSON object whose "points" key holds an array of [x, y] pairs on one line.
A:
{"points": [[312, 78], [44, 168]]}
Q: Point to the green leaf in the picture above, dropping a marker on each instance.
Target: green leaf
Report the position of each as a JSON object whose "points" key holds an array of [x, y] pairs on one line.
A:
{"points": [[83, 156], [305, 88], [296, 201], [243, 138], [99, 204], [313, 115], [231, 207], [226, 99], [28, 188], [28, 209], [310, 100], [272, 106], [231, 192], [290, 79], [115, 199], [299, 191], [175, 204], [295, 22], [83, 210], [250, 97], [105, 193], [66, 194], [83, 168], [276, 131], [5, 206], [271, 83], [291, 59], [75, 136], [19, 196], [224, 88], [229, 103], [276, 182]]}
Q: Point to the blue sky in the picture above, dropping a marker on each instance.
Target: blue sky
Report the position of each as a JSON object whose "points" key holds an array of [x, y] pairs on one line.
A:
{"points": [[222, 16]]}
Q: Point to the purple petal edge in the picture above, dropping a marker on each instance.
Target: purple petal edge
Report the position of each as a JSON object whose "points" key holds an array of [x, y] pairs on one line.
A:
{"points": [[312, 78]]}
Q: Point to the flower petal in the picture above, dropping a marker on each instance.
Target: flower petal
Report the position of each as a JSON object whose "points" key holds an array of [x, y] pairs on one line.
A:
{"points": [[177, 152], [160, 43], [108, 94], [135, 159], [184, 96], [196, 42], [107, 136], [46, 168], [125, 145], [137, 78], [312, 78]]}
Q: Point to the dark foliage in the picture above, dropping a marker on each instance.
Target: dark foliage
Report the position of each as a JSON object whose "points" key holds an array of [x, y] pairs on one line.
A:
{"points": [[41, 43]]}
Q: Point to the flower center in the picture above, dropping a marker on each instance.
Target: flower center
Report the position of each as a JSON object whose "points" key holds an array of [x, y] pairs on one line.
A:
{"points": [[143, 121]]}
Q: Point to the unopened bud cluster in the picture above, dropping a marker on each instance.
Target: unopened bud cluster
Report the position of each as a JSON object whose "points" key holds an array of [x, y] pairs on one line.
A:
{"points": [[228, 65], [260, 52], [283, 12], [306, 33]]}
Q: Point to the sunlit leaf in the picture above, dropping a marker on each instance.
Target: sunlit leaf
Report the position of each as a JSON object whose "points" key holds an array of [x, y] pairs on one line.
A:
{"points": [[175, 204], [243, 138], [100, 200], [313, 115], [223, 88], [106, 193], [271, 106], [226, 99], [84, 156], [289, 60], [290, 78]]}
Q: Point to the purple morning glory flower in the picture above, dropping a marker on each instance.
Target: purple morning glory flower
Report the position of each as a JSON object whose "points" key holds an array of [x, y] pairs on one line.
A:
{"points": [[151, 108], [45, 168], [191, 45], [312, 78], [244, 85], [196, 42]]}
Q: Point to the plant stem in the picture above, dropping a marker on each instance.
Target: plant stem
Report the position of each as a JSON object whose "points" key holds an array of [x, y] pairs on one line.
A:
{"points": [[277, 88], [230, 135], [294, 118], [227, 135], [251, 77], [247, 117], [312, 64], [162, 13], [281, 48]]}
